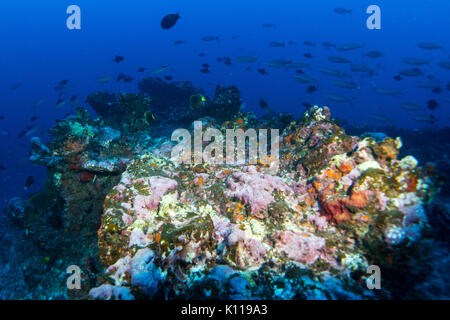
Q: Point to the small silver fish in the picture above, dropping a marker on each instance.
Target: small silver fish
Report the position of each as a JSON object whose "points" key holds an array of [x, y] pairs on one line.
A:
{"points": [[339, 98], [415, 61], [104, 79], [338, 59], [409, 106], [159, 70], [387, 92], [303, 78]]}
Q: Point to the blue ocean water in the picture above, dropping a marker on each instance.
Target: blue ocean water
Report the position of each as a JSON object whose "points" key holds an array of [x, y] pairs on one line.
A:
{"points": [[38, 51]]}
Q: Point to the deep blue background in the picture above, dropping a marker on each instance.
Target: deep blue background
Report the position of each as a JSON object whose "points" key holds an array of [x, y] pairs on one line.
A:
{"points": [[39, 51]]}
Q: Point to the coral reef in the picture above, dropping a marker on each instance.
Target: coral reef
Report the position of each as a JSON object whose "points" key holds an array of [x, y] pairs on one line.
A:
{"points": [[337, 205], [141, 225]]}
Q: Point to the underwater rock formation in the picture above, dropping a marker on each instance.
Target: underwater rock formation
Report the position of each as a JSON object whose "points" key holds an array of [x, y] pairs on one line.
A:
{"points": [[336, 205], [171, 104], [84, 159], [126, 112]]}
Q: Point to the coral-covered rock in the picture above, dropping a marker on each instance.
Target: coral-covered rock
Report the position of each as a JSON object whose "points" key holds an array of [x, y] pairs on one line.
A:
{"points": [[304, 248], [337, 216], [256, 189], [336, 204]]}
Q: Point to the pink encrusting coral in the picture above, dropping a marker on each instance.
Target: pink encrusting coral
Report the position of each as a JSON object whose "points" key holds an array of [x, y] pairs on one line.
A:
{"points": [[255, 188], [138, 238], [319, 221], [157, 187], [303, 248], [108, 292]]}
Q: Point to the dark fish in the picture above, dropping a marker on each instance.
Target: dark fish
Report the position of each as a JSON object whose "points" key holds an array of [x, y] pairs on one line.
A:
{"points": [[342, 11], [169, 20], [141, 69], [327, 44], [118, 59], [276, 44], [128, 79], [2, 117], [398, 78], [374, 54], [414, 72], [299, 71], [73, 98], [201, 54], [262, 71], [205, 65], [219, 59], [246, 59], [437, 90], [444, 64], [33, 118], [124, 78], [197, 101], [306, 105], [264, 105], [269, 25], [16, 86], [447, 87], [432, 104], [168, 78], [210, 38], [63, 82], [311, 89], [429, 45], [178, 42], [29, 182], [309, 43], [205, 70], [149, 117], [308, 55], [2, 167], [349, 46]]}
